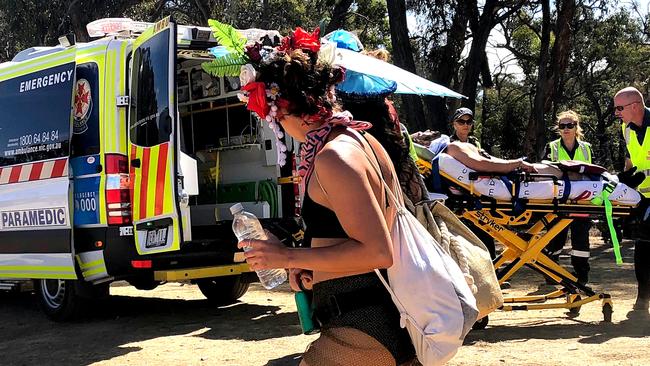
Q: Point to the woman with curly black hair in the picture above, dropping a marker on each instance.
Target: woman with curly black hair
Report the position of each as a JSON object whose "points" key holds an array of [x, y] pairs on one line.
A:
{"points": [[345, 208], [385, 128]]}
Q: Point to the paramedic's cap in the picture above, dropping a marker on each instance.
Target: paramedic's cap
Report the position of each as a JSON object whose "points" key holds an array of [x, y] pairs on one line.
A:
{"points": [[461, 112]]}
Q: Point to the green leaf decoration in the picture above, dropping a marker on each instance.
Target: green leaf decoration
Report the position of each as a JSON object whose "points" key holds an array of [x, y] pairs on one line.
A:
{"points": [[228, 65], [228, 36]]}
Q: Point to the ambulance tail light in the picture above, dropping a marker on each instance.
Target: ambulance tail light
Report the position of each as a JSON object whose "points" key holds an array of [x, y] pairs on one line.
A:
{"points": [[118, 196]]}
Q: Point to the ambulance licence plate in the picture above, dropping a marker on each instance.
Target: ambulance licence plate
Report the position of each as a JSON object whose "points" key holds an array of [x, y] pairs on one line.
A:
{"points": [[156, 238]]}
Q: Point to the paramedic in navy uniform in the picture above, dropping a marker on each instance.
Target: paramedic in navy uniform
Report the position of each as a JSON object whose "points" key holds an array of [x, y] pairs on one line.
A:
{"points": [[571, 146], [630, 108]]}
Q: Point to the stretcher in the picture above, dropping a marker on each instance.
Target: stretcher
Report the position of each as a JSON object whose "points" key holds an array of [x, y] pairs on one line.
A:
{"points": [[525, 212]]}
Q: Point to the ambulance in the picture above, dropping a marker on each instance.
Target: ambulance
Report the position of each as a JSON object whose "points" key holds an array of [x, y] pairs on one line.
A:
{"points": [[119, 160]]}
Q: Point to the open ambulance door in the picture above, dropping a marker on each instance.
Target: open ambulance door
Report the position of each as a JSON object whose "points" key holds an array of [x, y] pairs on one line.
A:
{"points": [[35, 188], [154, 141]]}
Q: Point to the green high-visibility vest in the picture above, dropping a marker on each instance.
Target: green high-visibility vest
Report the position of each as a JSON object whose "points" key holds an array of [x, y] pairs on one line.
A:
{"points": [[640, 156], [558, 153]]}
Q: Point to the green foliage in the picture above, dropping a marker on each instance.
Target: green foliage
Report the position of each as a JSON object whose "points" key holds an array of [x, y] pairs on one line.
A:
{"points": [[228, 65], [228, 37]]}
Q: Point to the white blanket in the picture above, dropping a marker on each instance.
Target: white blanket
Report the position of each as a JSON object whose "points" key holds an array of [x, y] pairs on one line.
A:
{"points": [[542, 190]]}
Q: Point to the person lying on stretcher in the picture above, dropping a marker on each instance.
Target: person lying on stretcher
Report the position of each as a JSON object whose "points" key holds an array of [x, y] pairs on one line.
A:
{"points": [[480, 161]]}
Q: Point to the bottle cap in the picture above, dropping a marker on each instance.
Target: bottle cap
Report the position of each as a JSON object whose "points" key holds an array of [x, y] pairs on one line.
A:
{"points": [[236, 208]]}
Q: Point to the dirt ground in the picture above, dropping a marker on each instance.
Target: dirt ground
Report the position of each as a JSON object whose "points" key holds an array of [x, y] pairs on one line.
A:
{"points": [[174, 325]]}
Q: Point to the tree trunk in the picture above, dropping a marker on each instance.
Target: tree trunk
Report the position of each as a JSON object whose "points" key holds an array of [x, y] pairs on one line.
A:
{"points": [[403, 57], [338, 16], [551, 69], [561, 51], [536, 125], [448, 58], [447, 64], [481, 27]]}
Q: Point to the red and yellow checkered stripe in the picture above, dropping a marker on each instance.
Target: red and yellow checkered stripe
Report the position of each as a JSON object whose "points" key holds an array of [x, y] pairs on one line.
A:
{"points": [[151, 190]]}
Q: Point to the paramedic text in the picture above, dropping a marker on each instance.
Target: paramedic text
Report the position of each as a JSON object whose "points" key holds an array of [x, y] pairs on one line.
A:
{"points": [[31, 218]]}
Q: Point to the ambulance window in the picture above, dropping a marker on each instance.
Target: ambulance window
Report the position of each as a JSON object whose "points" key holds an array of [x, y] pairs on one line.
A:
{"points": [[85, 111], [35, 115], [150, 122]]}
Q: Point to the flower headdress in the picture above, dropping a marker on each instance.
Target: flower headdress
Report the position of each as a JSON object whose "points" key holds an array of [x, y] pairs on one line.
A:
{"points": [[238, 56]]}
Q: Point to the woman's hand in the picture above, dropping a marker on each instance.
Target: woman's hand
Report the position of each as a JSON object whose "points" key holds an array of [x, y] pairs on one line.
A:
{"points": [[300, 279], [265, 254]]}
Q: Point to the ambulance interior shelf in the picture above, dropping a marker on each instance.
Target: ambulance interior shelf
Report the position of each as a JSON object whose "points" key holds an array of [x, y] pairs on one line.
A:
{"points": [[221, 134]]}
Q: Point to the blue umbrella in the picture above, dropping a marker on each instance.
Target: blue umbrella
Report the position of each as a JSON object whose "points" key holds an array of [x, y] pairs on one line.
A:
{"points": [[407, 82], [361, 85]]}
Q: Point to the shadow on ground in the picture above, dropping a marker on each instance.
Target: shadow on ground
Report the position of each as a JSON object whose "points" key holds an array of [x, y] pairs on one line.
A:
{"points": [[121, 320], [290, 360], [588, 333]]}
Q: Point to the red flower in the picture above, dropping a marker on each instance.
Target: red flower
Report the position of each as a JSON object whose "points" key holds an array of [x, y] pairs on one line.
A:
{"points": [[306, 41], [285, 44], [253, 52], [301, 40], [257, 98]]}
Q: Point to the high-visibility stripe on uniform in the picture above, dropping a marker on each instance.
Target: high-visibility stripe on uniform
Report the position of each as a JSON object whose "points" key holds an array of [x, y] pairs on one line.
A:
{"points": [[558, 152], [580, 253], [160, 178], [639, 156]]}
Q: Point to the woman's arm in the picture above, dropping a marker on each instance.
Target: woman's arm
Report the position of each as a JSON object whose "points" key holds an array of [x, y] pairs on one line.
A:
{"points": [[348, 180]]}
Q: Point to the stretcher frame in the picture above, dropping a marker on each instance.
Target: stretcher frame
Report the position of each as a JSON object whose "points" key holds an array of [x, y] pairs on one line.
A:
{"points": [[542, 221]]}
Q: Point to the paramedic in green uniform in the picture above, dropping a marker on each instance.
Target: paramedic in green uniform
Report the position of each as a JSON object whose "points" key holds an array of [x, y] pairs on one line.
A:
{"points": [[462, 122], [630, 108], [570, 146]]}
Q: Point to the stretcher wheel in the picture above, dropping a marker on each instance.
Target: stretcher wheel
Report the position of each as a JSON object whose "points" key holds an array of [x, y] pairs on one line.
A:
{"points": [[573, 312], [481, 323], [607, 313]]}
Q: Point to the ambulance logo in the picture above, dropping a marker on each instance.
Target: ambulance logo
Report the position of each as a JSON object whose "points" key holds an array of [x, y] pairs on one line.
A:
{"points": [[82, 106]]}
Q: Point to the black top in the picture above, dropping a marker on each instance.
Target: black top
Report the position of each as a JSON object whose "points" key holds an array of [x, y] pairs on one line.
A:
{"points": [[320, 222]]}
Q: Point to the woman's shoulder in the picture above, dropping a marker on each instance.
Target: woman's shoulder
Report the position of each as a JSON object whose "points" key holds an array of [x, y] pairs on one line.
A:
{"points": [[342, 150]]}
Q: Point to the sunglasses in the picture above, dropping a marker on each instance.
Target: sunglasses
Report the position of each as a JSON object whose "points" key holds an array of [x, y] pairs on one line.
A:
{"points": [[566, 126], [465, 121], [620, 108]]}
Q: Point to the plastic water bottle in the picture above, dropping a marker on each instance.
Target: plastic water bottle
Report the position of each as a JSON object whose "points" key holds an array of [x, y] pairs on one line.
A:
{"points": [[246, 226]]}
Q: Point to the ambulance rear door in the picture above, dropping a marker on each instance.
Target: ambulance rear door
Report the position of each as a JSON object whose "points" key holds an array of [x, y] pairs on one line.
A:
{"points": [[35, 187], [153, 141]]}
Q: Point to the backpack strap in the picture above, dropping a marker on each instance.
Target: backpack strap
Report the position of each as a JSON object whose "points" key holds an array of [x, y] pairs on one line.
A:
{"points": [[375, 164]]}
